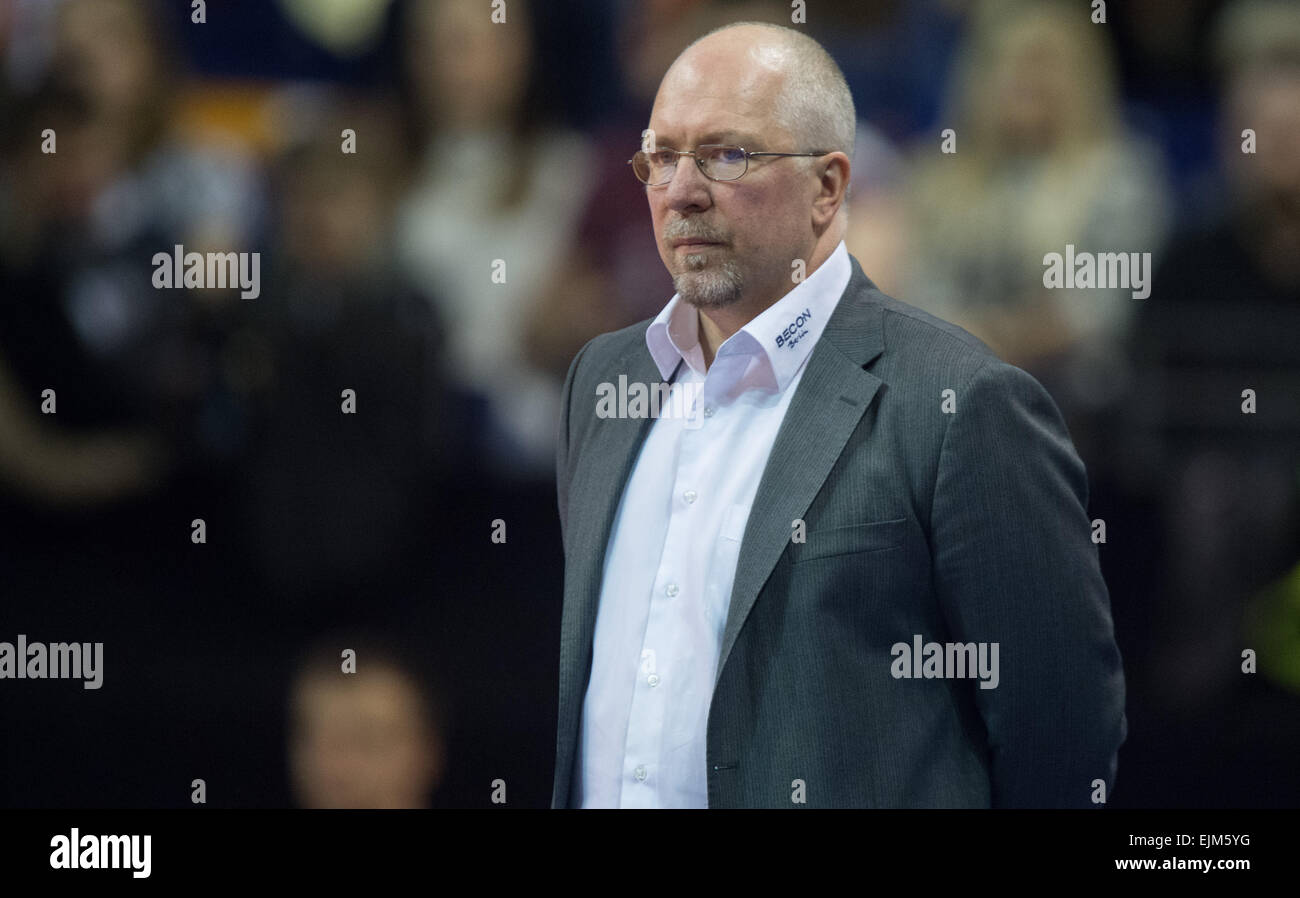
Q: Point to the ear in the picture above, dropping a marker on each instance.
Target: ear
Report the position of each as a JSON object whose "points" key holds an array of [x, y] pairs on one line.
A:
{"points": [[832, 171]]}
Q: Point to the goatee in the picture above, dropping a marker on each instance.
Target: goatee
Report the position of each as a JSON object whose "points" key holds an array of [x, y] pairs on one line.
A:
{"points": [[711, 287]]}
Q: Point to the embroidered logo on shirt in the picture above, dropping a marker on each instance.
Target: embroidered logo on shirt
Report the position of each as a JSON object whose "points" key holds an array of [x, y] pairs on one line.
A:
{"points": [[795, 331]]}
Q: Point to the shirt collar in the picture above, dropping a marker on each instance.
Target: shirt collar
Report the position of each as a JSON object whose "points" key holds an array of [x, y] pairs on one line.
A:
{"points": [[779, 339]]}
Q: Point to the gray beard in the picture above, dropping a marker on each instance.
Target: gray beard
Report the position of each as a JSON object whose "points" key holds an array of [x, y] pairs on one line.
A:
{"points": [[711, 288]]}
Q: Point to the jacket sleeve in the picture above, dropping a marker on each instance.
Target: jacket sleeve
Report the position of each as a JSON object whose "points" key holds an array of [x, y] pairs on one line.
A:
{"points": [[1014, 563]]}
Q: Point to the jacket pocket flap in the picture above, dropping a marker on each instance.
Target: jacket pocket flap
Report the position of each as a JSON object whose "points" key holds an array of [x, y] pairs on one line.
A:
{"points": [[852, 538]]}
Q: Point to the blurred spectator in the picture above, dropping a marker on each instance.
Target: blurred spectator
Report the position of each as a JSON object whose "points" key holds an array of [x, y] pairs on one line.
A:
{"points": [[335, 502], [370, 738], [83, 222], [87, 452], [1222, 319], [1042, 160], [498, 192]]}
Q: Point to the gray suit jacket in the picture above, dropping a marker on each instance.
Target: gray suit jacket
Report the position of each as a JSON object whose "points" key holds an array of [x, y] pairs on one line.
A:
{"points": [[959, 522]]}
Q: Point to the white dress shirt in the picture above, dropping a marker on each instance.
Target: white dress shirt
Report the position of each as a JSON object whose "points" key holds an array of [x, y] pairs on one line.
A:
{"points": [[671, 558]]}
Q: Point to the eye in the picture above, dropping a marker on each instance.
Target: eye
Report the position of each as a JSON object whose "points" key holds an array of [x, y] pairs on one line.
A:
{"points": [[729, 154], [663, 157]]}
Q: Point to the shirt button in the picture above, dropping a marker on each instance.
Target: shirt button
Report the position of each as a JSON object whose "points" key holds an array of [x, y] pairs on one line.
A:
{"points": [[689, 496], [708, 411], [671, 589], [653, 679], [640, 773]]}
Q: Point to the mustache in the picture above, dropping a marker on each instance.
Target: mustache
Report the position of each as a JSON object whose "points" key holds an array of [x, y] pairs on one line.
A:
{"points": [[684, 229]]}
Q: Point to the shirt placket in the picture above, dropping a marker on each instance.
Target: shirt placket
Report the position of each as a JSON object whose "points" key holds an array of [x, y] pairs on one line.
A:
{"points": [[678, 562]]}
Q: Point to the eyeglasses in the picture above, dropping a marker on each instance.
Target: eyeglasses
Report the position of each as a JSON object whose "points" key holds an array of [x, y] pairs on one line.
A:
{"points": [[719, 162]]}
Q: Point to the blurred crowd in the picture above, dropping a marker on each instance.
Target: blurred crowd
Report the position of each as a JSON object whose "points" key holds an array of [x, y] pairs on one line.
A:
{"points": [[444, 215]]}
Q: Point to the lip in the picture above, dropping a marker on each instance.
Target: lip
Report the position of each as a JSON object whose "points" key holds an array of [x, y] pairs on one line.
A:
{"points": [[678, 244]]}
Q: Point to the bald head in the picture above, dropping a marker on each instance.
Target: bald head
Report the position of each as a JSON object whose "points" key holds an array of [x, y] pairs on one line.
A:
{"points": [[809, 97]]}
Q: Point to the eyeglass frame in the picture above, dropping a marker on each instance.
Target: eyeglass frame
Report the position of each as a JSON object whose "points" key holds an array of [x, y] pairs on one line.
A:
{"points": [[700, 165]]}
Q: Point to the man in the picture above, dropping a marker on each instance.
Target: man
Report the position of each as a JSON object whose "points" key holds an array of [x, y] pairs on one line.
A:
{"points": [[851, 483]]}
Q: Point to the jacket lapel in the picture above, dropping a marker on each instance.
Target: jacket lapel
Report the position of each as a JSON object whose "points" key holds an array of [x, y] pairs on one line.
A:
{"points": [[598, 483], [830, 400]]}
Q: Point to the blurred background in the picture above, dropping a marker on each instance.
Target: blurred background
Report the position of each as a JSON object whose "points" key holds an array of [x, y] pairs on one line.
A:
{"points": [[476, 142]]}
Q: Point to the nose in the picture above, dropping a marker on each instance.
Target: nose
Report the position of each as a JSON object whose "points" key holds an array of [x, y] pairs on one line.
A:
{"points": [[689, 188]]}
